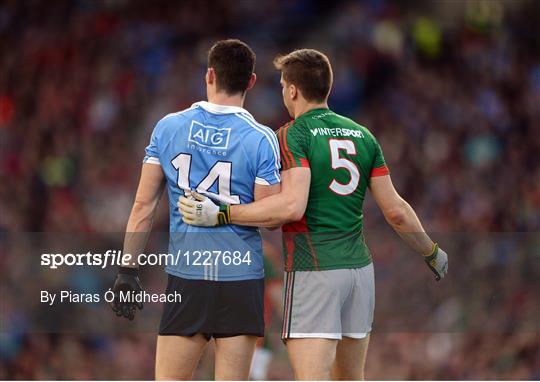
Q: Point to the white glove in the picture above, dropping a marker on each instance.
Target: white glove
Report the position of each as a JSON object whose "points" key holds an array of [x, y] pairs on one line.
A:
{"points": [[437, 262], [199, 210]]}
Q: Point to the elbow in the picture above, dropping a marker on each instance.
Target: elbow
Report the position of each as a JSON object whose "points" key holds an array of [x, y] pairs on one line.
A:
{"points": [[396, 216], [294, 210], [295, 216]]}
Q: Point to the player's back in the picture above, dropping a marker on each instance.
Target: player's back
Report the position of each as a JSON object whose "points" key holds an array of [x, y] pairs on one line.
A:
{"points": [[342, 156], [221, 152]]}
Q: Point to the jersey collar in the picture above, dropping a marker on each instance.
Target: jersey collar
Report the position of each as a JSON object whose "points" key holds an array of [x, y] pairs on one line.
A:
{"points": [[214, 108], [317, 110]]}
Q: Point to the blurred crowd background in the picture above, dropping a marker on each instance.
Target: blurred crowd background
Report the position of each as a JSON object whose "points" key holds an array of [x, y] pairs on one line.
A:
{"points": [[450, 88]]}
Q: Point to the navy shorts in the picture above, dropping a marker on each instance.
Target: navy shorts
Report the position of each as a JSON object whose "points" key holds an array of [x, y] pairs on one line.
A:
{"points": [[214, 308]]}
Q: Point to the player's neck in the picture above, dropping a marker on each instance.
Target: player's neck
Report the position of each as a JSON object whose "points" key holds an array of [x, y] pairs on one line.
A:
{"points": [[226, 99], [303, 109]]}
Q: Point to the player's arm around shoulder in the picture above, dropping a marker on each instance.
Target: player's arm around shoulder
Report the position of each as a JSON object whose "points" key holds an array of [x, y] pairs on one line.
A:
{"points": [[401, 216], [273, 209], [286, 206]]}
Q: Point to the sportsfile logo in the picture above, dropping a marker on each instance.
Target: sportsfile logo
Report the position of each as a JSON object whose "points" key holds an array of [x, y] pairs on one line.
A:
{"points": [[209, 136]]}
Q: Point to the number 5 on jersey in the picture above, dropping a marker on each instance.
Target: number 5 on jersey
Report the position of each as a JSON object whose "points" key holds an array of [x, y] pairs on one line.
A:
{"points": [[336, 145]]}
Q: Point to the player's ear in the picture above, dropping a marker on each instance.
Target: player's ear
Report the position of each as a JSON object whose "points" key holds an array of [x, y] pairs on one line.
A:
{"points": [[293, 92], [252, 81], [210, 76]]}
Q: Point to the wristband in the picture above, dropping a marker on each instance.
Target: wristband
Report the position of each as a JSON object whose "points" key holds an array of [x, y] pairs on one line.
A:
{"points": [[128, 271], [224, 214], [433, 252]]}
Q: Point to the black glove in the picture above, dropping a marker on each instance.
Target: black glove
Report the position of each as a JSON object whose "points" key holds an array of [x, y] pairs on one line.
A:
{"points": [[127, 281]]}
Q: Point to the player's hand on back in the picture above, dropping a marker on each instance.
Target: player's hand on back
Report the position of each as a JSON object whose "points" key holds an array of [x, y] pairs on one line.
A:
{"points": [[199, 210], [437, 262], [127, 281]]}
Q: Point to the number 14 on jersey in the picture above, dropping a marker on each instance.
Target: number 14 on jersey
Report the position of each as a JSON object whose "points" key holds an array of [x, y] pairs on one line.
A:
{"points": [[221, 172]]}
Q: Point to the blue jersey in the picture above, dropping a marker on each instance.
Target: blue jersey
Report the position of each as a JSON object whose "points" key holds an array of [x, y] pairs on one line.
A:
{"points": [[221, 152]]}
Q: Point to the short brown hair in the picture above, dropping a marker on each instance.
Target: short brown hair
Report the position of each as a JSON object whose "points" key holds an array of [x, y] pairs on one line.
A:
{"points": [[233, 62], [309, 70]]}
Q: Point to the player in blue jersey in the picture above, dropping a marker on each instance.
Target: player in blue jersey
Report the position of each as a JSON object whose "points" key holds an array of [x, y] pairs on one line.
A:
{"points": [[217, 149]]}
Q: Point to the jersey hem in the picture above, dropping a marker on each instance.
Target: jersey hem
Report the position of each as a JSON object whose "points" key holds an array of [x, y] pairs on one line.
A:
{"points": [[265, 182], [152, 160], [303, 162], [220, 278], [330, 336], [330, 267], [379, 171]]}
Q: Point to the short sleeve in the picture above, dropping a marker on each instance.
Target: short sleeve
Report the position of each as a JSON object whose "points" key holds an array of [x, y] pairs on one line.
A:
{"points": [[294, 146], [379, 167], [268, 161], [152, 153]]}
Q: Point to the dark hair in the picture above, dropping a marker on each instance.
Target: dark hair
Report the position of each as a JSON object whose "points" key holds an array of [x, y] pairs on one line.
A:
{"points": [[233, 62], [309, 70]]}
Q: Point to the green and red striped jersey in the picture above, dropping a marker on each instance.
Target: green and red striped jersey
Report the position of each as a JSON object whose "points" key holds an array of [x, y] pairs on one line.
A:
{"points": [[342, 156]]}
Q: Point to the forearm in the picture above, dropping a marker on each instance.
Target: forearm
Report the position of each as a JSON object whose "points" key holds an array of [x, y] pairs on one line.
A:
{"points": [[406, 223], [268, 212], [138, 229]]}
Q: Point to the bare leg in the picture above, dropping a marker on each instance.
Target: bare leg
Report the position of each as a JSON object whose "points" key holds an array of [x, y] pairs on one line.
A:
{"points": [[233, 357], [178, 356], [350, 359], [312, 358]]}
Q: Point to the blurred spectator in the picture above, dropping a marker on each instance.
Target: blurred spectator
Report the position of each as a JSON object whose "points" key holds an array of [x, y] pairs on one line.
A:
{"points": [[452, 91]]}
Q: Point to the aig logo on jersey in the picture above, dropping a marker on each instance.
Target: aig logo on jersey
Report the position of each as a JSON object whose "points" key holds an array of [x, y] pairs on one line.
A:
{"points": [[208, 136]]}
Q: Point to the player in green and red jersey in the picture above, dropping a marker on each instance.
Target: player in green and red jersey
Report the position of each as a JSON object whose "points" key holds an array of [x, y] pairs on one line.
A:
{"points": [[328, 162], [344, 156]]}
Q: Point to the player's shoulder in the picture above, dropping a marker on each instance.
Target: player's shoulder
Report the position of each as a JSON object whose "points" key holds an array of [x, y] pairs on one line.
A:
{"points": [[284, 127], [176, 118], [251, 123], [365, 130], [368, 134], [350, 123], [255, 130], [295, 126]]}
